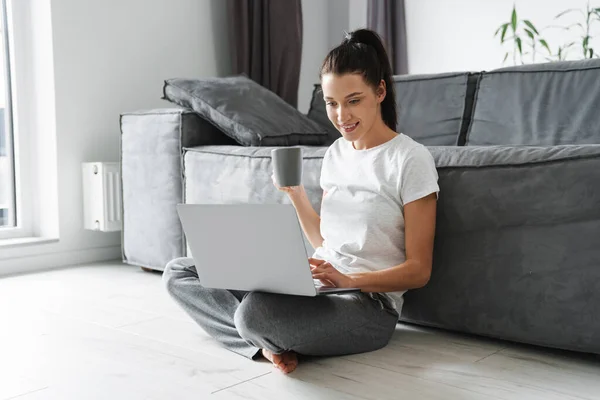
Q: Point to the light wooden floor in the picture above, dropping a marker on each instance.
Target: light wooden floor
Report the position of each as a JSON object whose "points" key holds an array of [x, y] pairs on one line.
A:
{"points": [[109, 331]]}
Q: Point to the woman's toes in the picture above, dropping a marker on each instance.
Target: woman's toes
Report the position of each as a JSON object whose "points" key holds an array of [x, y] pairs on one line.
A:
{"points": [[286, 362], [291, 361]]}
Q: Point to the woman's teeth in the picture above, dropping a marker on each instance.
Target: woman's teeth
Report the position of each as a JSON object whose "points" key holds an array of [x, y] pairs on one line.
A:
{"points": [[349, 128]]}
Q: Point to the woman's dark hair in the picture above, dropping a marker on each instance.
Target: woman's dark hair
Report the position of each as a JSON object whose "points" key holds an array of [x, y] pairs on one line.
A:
{"points": [[362, 52]]}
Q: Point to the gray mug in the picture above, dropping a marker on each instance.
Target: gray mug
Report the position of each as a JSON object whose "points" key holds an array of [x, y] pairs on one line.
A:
{"points": [[287, 166]]}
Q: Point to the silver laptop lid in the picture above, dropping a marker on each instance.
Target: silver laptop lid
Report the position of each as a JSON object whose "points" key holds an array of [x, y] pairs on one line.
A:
{"points": [[254, 247]]}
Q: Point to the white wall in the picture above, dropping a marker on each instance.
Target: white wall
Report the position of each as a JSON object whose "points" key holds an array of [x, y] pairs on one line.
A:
{"points": [[315, 45], [112, 56], [458, 35], [357, 14], [324, 25]]}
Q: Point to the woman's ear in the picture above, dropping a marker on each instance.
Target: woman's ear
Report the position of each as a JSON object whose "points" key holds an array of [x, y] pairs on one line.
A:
{"points": [[381, 91]]}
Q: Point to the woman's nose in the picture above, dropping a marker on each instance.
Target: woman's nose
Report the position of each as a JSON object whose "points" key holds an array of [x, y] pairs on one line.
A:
{"points": [[343, 115]]}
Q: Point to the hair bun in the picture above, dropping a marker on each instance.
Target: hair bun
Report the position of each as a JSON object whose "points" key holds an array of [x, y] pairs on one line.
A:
{"points": [[364, 36]]}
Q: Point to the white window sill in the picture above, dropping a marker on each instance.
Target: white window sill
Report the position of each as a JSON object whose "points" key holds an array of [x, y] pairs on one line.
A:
{"points": [[26, 241]]}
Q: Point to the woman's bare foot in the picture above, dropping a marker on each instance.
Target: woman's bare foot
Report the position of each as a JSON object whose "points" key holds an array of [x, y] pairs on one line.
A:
{"points": [[286, 362]]}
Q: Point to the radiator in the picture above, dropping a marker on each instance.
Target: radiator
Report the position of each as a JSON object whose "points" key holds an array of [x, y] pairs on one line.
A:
{"points": [[102, 196]]}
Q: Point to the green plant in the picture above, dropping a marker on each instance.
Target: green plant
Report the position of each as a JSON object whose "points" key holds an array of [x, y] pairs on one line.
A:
{"points": [[590, 15], [524, 33]]}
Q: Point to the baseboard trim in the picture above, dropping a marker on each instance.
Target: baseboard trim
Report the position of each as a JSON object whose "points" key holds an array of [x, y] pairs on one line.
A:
{"points": [[45, 262]]}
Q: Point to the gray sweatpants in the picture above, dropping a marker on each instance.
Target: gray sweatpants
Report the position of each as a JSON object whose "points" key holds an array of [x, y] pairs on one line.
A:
{"points": [[245, 322]]}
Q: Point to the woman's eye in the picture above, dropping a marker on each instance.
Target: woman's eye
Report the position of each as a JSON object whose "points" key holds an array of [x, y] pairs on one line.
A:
{"points": [[330, 103], [354, 101]]}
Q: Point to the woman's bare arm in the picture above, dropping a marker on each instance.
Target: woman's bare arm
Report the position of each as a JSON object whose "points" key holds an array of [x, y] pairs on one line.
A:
{"points": [[419, 218]]}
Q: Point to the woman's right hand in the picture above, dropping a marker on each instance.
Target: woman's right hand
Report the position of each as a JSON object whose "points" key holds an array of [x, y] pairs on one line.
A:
{"points": [[292, 191]]}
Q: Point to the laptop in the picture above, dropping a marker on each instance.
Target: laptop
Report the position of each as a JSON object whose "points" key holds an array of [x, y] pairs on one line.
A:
{"points": [[251, 247]]}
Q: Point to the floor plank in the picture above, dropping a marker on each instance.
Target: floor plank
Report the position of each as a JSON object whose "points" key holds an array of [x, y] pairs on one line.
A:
{"points": [[337, 378]]}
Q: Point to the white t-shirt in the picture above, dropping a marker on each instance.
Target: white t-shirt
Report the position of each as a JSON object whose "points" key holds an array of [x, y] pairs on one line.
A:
{"points": [[362, 214]]}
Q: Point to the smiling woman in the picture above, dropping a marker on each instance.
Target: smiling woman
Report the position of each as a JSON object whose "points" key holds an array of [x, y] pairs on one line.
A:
{"points": [[375, 231]]}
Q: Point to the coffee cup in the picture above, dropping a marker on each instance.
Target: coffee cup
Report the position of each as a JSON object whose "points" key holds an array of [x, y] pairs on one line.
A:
{"points": [[287, 166]]}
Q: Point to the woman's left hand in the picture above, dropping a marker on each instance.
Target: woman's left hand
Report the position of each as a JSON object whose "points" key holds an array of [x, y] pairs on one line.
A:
{"points": [[326, 273]]}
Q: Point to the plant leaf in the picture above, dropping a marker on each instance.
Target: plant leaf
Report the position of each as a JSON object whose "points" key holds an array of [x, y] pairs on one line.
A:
{"points": [[545, 44], [499, 29], [529, 24], [503, 33], [505, 57], [566, 12], [518, 40], [530, 34], [572, 25], [513, 19], [586, 41]]}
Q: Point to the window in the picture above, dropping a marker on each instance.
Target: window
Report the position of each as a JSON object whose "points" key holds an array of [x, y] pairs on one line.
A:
{"points": [[7, 176]]}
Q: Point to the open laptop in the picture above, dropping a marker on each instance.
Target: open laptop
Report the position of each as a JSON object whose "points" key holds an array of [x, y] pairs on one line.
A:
{"points": [[252, 247]]}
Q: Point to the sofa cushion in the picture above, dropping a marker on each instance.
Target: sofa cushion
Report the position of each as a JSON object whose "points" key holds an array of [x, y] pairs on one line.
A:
{"points": [[538, 104], [431, 108], [246, 111], [516, 252]]}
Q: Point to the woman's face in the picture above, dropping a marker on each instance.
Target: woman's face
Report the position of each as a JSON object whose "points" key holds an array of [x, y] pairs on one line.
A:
{"points": [[352, 104]]}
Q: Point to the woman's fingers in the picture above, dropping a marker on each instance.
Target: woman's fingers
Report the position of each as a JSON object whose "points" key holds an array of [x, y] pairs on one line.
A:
{"points": [[315, 261], [327, 283], [323, 271], [325, 267]]}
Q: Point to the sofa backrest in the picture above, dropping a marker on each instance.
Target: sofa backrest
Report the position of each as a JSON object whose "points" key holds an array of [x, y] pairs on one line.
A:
{"points": [[539, 104], [431, 108]]}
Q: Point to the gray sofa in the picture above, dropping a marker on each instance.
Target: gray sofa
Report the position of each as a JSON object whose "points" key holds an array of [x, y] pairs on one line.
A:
{"points": [[517, 247]]}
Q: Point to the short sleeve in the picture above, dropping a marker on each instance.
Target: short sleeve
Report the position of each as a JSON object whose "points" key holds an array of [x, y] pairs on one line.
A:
{"points": [[324, 169], [419, 176]]}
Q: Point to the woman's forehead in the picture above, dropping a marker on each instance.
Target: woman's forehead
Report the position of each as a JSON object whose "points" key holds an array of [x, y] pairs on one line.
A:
{"points": [[339, 85]]}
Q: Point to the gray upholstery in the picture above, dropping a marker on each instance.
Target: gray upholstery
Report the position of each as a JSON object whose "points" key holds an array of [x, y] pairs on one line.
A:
{"points": [[431, 108], [517, 252], [540, 104], [151, 144], [247, 112]]}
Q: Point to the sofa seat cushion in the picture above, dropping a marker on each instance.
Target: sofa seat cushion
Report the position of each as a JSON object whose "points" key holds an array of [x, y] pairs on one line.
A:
{"points": [[517, 252]]}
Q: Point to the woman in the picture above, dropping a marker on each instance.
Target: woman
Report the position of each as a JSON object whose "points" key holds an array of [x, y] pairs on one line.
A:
{"points": [[375, 232]]}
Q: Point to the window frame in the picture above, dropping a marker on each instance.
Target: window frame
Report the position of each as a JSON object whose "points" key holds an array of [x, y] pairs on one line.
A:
{"points": [[16, 36]]}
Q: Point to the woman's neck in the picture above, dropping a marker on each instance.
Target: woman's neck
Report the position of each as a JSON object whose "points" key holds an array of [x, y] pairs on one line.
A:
{"points": [[377, 135]]}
